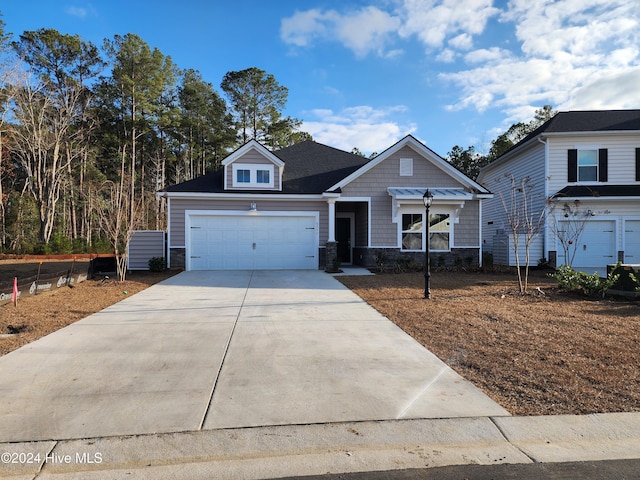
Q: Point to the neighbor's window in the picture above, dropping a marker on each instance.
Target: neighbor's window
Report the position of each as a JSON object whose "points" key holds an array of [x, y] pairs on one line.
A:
{"points": [[411, 231], [243, 176], [262, 176], [439, 231], [587, 165]]}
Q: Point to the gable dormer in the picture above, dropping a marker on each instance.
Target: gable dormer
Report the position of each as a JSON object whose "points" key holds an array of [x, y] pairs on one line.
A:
{"points": [[253, 167]]}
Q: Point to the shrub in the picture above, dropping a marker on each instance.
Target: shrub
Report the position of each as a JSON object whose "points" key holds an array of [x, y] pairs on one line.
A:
{"points": [[590, 285], [157, 264]]}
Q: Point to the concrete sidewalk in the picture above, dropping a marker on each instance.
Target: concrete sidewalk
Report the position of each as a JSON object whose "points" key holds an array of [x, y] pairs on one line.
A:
{"points": [[302, 450], [261, 375]]}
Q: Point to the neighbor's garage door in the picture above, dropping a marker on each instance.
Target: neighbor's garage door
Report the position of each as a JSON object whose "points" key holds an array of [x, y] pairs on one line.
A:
{"points": [[248, 242], [597, 245], [632, 241]]}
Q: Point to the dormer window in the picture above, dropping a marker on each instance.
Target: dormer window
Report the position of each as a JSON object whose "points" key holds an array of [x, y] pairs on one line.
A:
{"points": [[252, 175], [263, 176], [243, 176]]}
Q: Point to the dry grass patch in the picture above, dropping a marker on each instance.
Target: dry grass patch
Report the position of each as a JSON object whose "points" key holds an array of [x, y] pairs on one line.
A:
{"points": [[39, 315], [537, 354]]}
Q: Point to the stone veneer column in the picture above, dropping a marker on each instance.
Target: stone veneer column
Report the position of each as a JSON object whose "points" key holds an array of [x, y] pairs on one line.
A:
{"points": [[331, 255]]}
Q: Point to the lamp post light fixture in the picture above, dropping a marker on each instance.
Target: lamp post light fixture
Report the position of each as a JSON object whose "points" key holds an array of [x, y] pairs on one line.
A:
{"points": [[427, 199]]}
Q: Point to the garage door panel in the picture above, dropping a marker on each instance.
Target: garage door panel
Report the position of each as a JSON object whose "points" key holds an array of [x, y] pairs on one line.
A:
{"points": [[253, 242], [632, 241], [597, 245]]}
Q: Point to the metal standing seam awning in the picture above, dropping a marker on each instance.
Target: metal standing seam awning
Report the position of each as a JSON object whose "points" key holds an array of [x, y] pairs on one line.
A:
{"points": [[451, 197]]}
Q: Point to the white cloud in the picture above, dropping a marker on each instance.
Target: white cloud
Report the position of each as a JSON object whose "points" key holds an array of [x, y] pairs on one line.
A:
{"points": [[574, 54], [362, 31], [435, 21], [371, 29], [367, 128], [81, 12]]}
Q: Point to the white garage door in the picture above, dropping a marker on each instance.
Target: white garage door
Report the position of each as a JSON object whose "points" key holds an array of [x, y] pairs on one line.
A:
{"points": [[597, 245], [632, 241], [252, 242]]}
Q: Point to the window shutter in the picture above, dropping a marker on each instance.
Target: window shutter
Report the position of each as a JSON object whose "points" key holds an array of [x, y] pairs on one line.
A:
{"points": [[637, 164], [572, 166], [603, 165]]}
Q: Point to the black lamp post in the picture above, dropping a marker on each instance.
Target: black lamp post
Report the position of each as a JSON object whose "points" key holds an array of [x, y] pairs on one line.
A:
{"points": [[427, 198]]}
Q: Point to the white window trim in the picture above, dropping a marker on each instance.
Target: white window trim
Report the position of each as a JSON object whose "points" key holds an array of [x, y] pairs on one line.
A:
{"points": [[406, 167], [417, 210], [253, 175], [583, 148]]}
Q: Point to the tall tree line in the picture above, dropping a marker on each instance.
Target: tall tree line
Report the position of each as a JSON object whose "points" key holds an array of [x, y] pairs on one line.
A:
{"points": [[89, 134]]}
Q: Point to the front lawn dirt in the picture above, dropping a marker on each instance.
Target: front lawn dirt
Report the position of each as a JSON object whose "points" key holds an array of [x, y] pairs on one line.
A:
{"points": [[544, 353]]}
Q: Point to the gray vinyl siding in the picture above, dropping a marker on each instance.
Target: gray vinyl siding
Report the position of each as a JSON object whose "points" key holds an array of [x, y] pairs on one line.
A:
{"points": [[466, 232], [374, 184], [529, 163], [143, 246], [253, 157], [178, 207]]}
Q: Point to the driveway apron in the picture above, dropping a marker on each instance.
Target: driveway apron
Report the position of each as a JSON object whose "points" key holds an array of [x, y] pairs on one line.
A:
{"points": [[206, 350]]}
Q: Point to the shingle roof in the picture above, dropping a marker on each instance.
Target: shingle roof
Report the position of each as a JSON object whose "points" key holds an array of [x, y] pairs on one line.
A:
{"points": [[598, 191], [310, 168], [587, 121]]}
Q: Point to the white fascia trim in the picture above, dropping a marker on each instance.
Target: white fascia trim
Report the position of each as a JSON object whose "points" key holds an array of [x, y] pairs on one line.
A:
{"points": [[177, 246], [244, 196], [590, 134], [247, 147], [354, 199], [420, 149]]}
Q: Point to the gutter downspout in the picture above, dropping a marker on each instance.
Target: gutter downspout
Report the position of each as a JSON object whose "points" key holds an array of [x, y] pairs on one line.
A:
{"points": [[545, 239]]}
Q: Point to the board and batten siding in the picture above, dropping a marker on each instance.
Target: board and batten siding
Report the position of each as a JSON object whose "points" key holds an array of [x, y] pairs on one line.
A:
{"points": [[621, 150], [253, 157], [374, 184], [530, 163], [178, 206], [143, 246]]}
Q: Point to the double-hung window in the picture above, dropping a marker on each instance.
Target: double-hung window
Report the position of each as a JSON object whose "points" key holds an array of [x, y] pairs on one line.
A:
{"points": [[412, 231], [439, 232], [587, 165], [243, 176], [262, 176]]}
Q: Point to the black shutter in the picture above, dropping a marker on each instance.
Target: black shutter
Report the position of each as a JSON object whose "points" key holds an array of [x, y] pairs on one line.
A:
{"points": [[637, 164], [603, 165], [573, 165]]}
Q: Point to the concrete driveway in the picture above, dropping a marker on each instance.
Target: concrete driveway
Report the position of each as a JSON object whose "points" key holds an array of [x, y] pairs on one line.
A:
{"points": [[209, 350]]}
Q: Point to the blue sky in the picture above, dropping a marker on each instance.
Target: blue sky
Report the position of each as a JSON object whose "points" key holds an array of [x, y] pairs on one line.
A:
{"points": [[366, 73]]}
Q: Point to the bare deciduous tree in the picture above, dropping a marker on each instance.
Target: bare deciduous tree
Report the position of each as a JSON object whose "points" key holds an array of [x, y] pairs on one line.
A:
{"points": [[567, 227], [523, 219]]}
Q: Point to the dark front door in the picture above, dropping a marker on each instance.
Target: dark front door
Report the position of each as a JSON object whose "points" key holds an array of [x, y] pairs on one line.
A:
{"points": [[343, 238]]}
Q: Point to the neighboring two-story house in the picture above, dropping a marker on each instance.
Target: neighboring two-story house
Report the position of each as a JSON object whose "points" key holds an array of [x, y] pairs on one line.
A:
{"points": [[306, 205], [584, 161]]}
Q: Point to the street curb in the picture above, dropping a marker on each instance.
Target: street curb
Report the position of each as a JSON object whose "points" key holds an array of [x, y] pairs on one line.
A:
{"points": [[299, 450]]}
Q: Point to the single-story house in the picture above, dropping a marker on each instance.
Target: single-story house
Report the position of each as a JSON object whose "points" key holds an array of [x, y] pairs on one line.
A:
{"points": [[304, 206], [583, 168]]}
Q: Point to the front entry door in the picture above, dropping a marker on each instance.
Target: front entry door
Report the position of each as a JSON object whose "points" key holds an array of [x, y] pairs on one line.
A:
{"points": [[343, 238]]}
